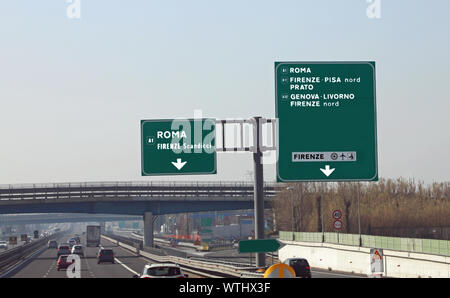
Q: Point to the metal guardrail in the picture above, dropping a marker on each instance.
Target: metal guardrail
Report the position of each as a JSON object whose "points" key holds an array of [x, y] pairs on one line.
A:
{"points": [[167, 251], [241, 265], [208, 190], [132, 184], [213, 259], [223, 269], [129, 241], [10, 257]]}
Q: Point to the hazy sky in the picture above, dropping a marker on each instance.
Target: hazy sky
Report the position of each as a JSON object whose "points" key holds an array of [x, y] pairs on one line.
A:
{"points": [[73, 91]]}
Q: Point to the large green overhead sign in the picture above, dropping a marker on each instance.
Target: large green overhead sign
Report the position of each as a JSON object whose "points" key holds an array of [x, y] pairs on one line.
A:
{"points": [[178, 147], [327, 121]]}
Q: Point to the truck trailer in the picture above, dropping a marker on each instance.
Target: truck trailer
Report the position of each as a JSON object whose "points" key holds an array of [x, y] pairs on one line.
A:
{"points": [[93, 236]]}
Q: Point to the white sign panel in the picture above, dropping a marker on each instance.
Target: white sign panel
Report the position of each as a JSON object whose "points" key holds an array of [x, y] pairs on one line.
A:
{"points": [[376, 261]]}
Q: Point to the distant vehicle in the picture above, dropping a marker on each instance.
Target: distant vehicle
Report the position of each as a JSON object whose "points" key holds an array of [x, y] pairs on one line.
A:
{"points": [[93, 236], [72, 242], [13, 240], [105, 255], [3, 245], [52, 244], [78, 250], [204, 246], [300, 266], [162, 270], [62, 262], [63, 249]]}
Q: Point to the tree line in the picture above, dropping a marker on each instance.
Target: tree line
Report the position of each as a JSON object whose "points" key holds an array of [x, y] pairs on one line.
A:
{"points": [[385, 207]]}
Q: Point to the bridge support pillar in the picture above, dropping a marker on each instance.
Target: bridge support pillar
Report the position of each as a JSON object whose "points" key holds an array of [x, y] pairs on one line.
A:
{"points": [[148, 229], [102, 227]]}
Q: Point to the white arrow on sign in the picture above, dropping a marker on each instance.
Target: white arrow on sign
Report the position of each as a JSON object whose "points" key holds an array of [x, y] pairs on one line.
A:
{"points": [[179, 164], [327, 171]]}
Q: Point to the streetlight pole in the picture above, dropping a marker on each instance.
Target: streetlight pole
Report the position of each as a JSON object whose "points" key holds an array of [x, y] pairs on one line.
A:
{"points": [[321, 212], [258, 190], [292, 207], [359, 217]]}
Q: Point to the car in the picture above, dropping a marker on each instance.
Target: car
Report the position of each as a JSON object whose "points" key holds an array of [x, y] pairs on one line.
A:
{"points": [[105, 255], [63, 249], [161, 270], [71, 243], [62, 262], [78, 250], [300, 266], [52, 244], [3, 245]]}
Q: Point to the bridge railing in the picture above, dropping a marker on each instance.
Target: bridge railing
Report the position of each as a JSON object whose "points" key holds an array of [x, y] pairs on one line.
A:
{"points": [[134, 184], [131, 189]]}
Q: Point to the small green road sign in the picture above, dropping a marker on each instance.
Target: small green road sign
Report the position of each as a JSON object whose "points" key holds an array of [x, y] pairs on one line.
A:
{"points": [[259, 245], [178, 147], [327, 127]]}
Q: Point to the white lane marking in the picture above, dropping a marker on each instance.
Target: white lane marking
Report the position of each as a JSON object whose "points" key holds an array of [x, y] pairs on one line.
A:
{"points": [[89, 268], [50, 269], [125, 266], [122, 264]]}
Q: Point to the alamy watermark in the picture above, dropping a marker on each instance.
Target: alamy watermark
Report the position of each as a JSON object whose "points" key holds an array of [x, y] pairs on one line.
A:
{"points": [[73, 10], [239, 135], [74, 269], [374, 9]]}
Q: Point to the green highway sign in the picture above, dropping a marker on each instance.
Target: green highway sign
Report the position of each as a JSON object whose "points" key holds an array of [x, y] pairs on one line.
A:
{"points": [[258, 245], [178, 147], [327, 128]]}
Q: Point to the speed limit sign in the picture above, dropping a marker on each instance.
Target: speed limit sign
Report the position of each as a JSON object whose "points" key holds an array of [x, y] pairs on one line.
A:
{"points": [[337, 224], [337, 214]]}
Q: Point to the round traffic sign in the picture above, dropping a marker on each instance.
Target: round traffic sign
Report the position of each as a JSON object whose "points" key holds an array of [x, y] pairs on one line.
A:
{"points": [[337, 214], [337, 224], [279, 271]]}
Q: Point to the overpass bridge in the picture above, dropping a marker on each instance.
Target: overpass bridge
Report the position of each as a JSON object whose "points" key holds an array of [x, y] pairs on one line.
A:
{"points": [[129, 198], [25, 219], [145, 199]]}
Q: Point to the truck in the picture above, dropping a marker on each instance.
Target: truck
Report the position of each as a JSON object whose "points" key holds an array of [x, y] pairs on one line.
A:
{"points": [[93, 236], [12, 240]]}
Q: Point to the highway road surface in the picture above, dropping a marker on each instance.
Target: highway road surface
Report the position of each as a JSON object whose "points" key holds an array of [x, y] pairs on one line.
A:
{"points": [[43, 265]]}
